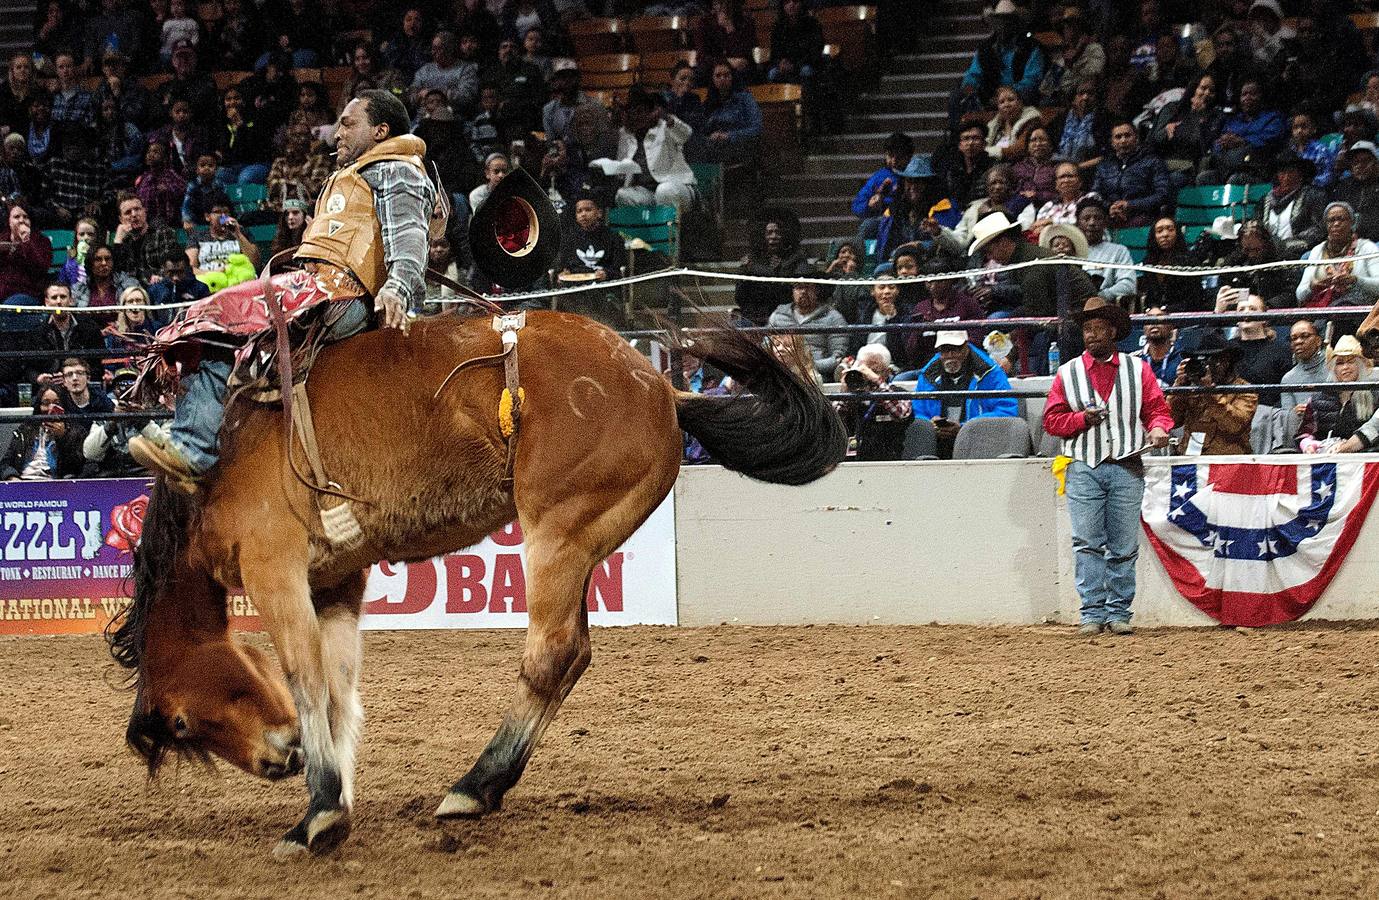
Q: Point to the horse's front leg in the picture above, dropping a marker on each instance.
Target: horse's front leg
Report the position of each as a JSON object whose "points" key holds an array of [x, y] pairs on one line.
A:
{"points": [[277, 584]]}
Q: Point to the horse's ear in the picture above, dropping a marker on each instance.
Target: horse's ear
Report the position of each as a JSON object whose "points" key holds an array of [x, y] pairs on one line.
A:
{"points": [[515, 234]]}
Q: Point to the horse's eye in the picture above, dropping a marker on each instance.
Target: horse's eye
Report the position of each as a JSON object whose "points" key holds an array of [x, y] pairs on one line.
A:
{"points": [[179, 727]]}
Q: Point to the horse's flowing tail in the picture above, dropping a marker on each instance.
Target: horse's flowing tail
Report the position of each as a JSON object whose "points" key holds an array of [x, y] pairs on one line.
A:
{"points": [[780, 429]]}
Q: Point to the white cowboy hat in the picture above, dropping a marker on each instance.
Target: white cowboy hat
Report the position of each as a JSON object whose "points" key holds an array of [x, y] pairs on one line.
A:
{"points": [[1224, 228], [1005, 8], [1071, 232], [989, 228]]}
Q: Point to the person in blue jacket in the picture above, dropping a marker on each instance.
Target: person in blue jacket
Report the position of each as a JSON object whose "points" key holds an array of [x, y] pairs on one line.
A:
{"points": [[960, 366], [733, 119], [876, 194]]}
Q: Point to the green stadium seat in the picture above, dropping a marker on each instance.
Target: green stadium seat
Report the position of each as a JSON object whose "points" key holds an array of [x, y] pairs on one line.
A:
{"points": [[262, 234], [1202, 205], [709, 177], [246, 196], [61, 241], [656, 225]]}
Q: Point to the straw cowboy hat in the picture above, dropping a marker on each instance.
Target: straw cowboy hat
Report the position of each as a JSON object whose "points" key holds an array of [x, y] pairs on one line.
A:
{"points": [[1071, 232], [1100, 308], [1348, 345], [989, 228]]}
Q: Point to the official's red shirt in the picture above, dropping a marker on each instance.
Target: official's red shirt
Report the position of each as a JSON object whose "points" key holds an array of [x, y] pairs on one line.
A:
{"points": [[1061, 421]]}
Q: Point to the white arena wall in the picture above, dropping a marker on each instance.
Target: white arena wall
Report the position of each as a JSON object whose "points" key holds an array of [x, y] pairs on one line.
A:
{"points": [[963, 542]]}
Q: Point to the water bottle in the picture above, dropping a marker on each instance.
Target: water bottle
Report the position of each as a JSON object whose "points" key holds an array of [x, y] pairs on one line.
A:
{"points": [[1053, 357]]}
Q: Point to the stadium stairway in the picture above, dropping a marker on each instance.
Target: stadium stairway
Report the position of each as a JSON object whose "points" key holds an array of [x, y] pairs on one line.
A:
{"points": [[912, 96], [17, 20]]}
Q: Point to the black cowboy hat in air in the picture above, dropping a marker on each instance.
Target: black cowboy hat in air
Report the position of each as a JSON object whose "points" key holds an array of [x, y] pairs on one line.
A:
{"points": [[515, 234]]}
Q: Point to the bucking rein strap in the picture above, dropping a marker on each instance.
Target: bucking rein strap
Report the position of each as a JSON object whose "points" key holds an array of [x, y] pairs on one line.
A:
{"points": [[339, 522]]}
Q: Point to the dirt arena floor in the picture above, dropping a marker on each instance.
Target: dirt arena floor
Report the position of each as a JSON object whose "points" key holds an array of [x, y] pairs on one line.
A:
{"points": [[737, 762]]}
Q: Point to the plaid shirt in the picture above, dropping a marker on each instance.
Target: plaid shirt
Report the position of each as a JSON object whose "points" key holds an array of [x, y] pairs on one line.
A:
{"points": [[143, 256], [900, 409], [78, 108], [74, 184], [403, 200]]}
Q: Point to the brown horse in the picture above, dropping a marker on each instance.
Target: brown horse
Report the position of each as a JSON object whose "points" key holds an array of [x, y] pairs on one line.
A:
{"points": [[597, 449]]}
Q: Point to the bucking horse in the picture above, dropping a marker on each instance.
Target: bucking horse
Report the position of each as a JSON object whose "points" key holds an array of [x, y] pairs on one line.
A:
{"points": [[435, 461]]}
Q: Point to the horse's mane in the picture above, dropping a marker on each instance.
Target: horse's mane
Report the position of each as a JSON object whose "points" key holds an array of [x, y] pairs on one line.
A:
{"points": [[164, 531]]}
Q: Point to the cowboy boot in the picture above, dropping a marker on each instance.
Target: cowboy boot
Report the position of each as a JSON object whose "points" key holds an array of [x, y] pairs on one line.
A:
{"points": [[162, 457]]}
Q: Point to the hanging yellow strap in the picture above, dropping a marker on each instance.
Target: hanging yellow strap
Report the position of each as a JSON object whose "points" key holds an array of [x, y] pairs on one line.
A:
{"points": [[505, 423], [1060, 473]]}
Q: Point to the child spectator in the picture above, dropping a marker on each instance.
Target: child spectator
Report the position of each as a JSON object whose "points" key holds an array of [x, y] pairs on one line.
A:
{"points": [[879, 190], [591, 247], [203, 191], [73, 271]]}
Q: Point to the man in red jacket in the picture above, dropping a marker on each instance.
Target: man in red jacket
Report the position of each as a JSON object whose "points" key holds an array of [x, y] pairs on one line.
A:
{"points": [[1106, 406]]}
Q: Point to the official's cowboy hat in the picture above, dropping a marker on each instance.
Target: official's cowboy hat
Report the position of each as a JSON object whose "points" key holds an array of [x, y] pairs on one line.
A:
{"points": [[1071, 232], [515, 234], [1100, 308], [989, 228]]}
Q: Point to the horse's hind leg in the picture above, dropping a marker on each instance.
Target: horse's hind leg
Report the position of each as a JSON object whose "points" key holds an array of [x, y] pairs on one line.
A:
{"points": [[556, 654], [277, 584]]}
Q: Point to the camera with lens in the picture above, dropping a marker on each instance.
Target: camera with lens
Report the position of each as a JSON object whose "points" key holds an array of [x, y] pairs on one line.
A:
{"points": [[855, 380], [1196, 368]]}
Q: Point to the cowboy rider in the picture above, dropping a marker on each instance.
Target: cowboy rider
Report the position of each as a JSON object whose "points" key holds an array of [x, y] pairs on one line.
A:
{"points": [[368, 239]]}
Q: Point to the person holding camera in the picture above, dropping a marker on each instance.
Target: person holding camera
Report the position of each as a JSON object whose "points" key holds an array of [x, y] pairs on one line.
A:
{"points": [[960, 366], [1108, 408], [1217, 423], [878, 425], [212, 251]]}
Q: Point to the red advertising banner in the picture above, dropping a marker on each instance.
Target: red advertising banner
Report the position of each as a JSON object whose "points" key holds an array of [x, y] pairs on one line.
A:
{"points": [[67, 552]]}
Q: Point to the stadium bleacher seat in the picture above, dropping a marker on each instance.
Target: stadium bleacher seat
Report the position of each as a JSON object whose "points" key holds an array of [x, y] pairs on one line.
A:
{"points": [[853, 29], [656, 66], [656, 225], [1136, 239], [709, 177], [780, 123], [596, 36], [992, 437], [608, 81], [652, 34], [1202, 205], [61, 241], [246, 196], [921, 440]]}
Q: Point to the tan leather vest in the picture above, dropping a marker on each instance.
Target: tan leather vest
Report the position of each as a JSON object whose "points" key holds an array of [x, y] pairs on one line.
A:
{"points": [[345, 230]]}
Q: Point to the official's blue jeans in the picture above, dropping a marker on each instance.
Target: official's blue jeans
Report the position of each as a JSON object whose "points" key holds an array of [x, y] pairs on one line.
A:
{"points": [[200, 411], [1104, 506]]}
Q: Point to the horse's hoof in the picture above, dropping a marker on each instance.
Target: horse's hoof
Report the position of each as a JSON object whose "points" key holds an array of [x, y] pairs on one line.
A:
{"points": [[287, 850], [327, 830], [459, 805]]}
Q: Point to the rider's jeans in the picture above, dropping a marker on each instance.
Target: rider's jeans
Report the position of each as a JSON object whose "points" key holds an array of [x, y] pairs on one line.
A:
{"points": [[196, 423]]}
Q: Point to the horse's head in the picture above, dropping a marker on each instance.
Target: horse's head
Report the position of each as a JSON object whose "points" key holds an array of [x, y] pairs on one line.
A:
{"points": [[219, 698]]}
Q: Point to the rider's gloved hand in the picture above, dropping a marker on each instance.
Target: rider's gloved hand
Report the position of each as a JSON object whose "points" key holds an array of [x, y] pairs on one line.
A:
{"points": [[392, 309]]}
